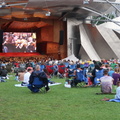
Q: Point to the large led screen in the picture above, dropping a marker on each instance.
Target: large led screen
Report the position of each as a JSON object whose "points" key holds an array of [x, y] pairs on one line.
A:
{"points": [[19, 42]]}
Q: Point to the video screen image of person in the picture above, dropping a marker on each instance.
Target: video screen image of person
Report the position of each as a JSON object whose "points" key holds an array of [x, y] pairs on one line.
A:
{"points": [[19, 42]]}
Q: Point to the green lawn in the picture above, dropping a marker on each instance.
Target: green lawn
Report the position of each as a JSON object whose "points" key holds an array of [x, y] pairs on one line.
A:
{"points": [[18, 103]]}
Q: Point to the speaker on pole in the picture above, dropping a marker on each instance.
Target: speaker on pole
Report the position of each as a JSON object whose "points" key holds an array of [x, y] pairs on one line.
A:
{"points": [[61, 39], [1, 36]]}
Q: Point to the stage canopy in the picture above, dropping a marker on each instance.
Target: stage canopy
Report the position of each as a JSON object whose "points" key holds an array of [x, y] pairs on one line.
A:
{"points": [[71, 57]]}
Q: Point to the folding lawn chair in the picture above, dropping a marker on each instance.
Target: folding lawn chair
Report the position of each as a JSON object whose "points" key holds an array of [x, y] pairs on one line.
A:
{"points": [[71, 70], [37, 86], [61, 70], [42, 67], [50, 69], [80, 80], [98, 75]]}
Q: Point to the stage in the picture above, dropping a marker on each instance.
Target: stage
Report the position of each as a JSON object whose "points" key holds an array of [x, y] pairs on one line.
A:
{"points": [[20, 54]]}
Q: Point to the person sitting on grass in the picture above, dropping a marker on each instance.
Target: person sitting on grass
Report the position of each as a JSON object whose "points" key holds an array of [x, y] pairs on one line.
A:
{"points": [[3, 72], [41, 76], [116, 76], [117, 96], [26, 77], [111, 71], [97, 73], [21, 75], [106, 83], [79, 77]]}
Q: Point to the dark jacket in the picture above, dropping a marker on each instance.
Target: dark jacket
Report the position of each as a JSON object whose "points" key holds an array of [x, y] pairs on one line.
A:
{"points": [[3, 72], [38, 74]]}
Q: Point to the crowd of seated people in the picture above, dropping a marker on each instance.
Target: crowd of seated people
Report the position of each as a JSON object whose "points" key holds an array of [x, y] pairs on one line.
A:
{"points": [[104, 73], [91, 71]]}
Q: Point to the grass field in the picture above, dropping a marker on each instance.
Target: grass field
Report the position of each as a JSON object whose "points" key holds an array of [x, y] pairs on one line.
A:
{"points": [[18, 103]]}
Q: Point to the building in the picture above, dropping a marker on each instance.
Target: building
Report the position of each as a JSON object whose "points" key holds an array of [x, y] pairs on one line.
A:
{"points": [[87, 28]]}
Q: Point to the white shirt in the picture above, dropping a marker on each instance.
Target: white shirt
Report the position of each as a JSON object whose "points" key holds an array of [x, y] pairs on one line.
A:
{"points": [[117, 96], [26, 77], [107, 79]]}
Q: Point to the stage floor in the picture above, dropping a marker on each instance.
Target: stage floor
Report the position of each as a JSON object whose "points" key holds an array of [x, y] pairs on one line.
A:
{"points": [[19, 54]]}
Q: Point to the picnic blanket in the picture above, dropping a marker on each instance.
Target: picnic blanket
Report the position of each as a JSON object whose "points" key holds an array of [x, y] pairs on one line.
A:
{"points": [[54, 84], [19, 85], [114, 100], [105, 93]]}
